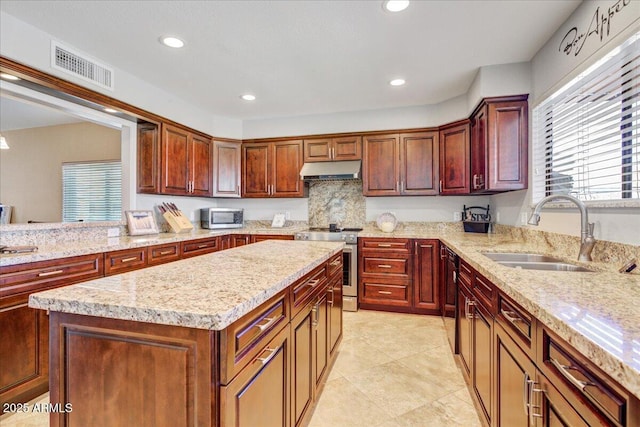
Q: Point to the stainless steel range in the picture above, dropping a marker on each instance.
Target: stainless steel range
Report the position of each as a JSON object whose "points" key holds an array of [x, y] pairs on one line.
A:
{"points": [[350, 259]]}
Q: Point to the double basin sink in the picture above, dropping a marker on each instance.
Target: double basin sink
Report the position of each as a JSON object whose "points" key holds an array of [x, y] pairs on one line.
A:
{"points": [[533, 262]]}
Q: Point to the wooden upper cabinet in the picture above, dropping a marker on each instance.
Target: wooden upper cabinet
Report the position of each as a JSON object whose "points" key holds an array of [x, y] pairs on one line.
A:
{"points": [[419, 163], [381, 165], [454, 158], [333, 149], [148, 172], [186, 162], [400, 164], [499, 144], [272, 169], [227, 161]]}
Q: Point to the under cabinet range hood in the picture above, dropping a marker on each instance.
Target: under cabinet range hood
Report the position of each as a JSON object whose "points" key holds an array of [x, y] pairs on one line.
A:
{"points": [[331, 170]]}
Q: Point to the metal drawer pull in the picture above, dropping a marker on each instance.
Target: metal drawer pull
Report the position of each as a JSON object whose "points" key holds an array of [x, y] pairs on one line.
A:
{"points": [[384, 245], [509, 315], [312, 283], [202, 246], [50, 273], [564, 370], [330, 290], [270, 321], [531, 406], [384, 266], [133, 258], [525, 393], [265, 360], [166, 252], [384, 292], [336, 262]]}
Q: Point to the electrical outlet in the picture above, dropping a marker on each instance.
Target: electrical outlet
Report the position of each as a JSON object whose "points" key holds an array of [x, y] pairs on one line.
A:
{"points": [[457, 216], [498, 216], [524, 217], [287, 215]]}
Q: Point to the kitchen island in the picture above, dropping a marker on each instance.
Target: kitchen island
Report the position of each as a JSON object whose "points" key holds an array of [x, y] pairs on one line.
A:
{"points": [[201, 341]]}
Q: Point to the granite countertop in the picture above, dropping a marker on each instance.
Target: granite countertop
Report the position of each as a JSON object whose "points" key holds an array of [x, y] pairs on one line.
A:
{"points": [[67, 249], [205, 292]]}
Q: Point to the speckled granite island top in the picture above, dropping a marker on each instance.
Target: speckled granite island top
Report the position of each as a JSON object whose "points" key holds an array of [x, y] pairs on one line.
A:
{"points": [[205, 292]]}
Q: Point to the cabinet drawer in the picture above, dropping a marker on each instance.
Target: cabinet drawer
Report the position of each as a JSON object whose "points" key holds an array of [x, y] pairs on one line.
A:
{"points": [[578, 379], [28, 278], [163, 253], [243, 340], [262, 237], [387, 245], [465, 274], [199, 247], [485, 292], [122, 261], [306, 287], [384, 293], [335, 265], [396, 266], [517, 322]]}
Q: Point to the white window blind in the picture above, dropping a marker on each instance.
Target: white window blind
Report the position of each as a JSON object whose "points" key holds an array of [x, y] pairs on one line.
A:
{"points": [[586, 134], [92, 191]]}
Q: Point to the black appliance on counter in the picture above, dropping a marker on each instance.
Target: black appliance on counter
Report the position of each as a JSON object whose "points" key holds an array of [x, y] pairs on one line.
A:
{"points": [[450, 264]]}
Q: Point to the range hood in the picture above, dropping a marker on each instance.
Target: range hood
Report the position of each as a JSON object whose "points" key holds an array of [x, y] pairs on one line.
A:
{"points": [[331, 170]]}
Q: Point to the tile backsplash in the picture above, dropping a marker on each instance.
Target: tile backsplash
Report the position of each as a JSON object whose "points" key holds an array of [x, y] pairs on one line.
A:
{"points": [[336, 202]]}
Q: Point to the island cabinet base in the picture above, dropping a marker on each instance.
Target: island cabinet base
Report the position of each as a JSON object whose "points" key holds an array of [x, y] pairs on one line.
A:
{"points": [[108, 372]]}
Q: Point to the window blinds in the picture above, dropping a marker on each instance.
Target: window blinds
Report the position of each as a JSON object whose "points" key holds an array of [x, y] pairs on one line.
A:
{"points": [[92, 191], [586, 134]]}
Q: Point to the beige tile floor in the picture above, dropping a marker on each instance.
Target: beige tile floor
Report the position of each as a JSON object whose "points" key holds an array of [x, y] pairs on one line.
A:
{"points": [[392, 370]]}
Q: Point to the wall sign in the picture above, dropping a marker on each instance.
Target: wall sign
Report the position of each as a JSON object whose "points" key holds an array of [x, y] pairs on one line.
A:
{"points": [[600, 25]]}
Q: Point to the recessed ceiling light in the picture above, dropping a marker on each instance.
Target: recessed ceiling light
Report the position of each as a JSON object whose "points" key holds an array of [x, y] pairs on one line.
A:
{"points": [[397, 82], [248, 97], [172, 42], [9, 76], [110, 110], [395, 5]]}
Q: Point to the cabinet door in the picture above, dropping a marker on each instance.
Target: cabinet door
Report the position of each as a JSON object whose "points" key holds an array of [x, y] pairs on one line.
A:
{"points": [[514, 371], [425, 277], [335, 313], [174, 160], [317, 150], [454, 159], [381, 165], [225, 242], [24, 351], [259, 394], [321, 339], [201, 166], [478, 150], [302, 369], [255, 170], [465, 304], [286, 164], [507, 146], [555, 411], [240, 240], [419, 174], [482, 355], [347, 148], [227, 161], [148, 171]]}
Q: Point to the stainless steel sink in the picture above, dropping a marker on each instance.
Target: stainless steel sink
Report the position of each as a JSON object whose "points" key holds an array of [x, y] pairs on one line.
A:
{"points": [[519, 257], [533, 262]]}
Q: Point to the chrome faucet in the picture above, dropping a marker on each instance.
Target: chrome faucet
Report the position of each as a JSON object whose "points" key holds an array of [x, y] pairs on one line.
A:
{"points": [[587, 240]]}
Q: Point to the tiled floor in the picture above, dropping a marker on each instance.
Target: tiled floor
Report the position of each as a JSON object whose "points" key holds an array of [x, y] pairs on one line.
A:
{"points": [[393, 370]]}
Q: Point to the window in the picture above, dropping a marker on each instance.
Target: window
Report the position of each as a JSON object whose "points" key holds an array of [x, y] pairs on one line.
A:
{"points": [[586, 134], [92, 191]]}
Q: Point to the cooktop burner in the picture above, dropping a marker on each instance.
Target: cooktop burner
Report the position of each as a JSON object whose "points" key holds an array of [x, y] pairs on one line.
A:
{"points": [[333, 230]]}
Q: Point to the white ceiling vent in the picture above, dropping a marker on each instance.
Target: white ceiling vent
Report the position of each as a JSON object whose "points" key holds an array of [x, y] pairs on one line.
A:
{"points": [[80, 65]]}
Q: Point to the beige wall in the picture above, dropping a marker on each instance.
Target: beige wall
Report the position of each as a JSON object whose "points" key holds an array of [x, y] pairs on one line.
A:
{"points": [[31, 170]]}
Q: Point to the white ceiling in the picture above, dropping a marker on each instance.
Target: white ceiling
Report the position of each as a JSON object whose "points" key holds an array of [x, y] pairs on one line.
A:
{"points": [[301, 57], [15, 114]]}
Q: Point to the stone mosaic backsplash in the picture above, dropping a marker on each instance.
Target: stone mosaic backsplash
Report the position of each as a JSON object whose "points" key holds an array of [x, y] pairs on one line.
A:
{"points": [[336, 202]]}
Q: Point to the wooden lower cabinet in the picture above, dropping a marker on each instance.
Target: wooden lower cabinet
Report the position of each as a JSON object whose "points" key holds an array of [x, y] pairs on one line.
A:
{"points": [[24, 351], [240, 240], [426, 293], [482, 356], [335, 313], [465, 299], [260, 394], [302, 370]]}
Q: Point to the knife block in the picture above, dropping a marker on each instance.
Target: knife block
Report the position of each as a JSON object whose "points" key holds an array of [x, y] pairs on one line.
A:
{"points": [[178, 223]]}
